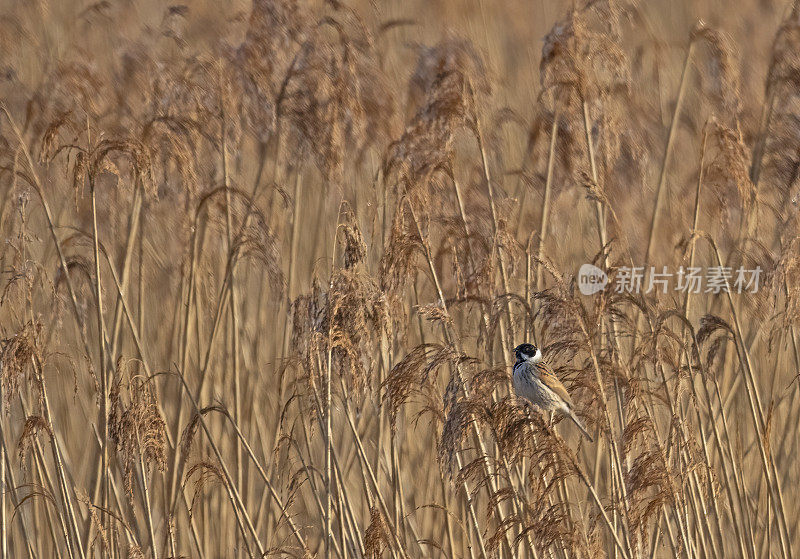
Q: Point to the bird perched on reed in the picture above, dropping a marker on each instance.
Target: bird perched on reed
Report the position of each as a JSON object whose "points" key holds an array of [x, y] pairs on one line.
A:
{"points": [[534, 380]]}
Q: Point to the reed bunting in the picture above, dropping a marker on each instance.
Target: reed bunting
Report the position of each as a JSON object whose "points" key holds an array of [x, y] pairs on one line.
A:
{"points": [[534, 380]]}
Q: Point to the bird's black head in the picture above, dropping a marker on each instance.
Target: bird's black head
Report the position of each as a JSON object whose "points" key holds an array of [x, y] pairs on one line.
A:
{"points": [[524, 352]]}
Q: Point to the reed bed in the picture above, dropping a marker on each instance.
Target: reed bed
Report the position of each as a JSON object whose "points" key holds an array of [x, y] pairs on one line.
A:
{"points": [[264, 264]]}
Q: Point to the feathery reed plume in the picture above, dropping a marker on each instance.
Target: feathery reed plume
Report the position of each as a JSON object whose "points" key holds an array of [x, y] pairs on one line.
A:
{"points": [[354, 314], [722, 75], [583, 62], [275, 30], [775, 153], [335, 94], [16, 355], [727, 176], [33, 425], [376, 539], [425, 148], [136, 426], [417, 374]]}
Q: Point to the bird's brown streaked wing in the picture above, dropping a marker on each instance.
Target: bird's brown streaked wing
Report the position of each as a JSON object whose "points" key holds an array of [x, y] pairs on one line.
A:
{"points": [[550, 380]]}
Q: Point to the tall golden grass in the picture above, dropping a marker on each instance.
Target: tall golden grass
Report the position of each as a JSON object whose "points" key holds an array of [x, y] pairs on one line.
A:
{"points": [[263, 267]]}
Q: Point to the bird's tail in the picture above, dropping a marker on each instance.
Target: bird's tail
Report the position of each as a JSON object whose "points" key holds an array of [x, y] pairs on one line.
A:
{"points": [[580, 425]]}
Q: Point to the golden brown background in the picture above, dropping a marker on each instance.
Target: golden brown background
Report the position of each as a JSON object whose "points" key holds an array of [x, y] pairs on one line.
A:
{"points": [[234, 232]]}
